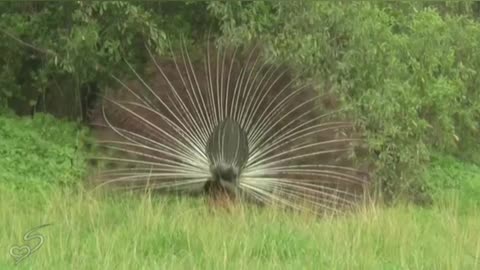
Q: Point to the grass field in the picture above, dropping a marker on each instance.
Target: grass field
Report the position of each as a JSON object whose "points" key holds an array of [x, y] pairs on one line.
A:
{"points": [[127, 231], [95, 231]]}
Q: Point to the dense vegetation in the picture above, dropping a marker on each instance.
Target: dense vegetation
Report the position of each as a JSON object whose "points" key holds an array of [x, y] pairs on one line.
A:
{"points": [[41, 152], [407, 72], [96, 230]]}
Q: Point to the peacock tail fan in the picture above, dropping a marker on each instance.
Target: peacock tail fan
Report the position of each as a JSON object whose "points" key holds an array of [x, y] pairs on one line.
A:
{"points": [[230, 121]]}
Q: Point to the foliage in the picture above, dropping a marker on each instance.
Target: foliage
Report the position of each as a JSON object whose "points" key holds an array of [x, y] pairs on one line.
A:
{"points": [[409, 75], [54, 53], [450, 179], [407, 71], [39, 152]]}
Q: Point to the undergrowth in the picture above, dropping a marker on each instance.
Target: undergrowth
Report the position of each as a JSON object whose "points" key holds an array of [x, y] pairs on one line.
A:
{"points": [[40, 152]]}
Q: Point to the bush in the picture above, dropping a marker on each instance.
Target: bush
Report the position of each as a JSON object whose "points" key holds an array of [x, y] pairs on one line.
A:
{"points": [[450, 180], [55, 56], [407, 72], [409, 76], [40, 152]]}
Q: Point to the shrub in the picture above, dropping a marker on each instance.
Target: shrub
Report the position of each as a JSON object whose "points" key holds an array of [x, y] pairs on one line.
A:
{"points": [[55, 55], [409, 76], [406, 71], [39, 152]]}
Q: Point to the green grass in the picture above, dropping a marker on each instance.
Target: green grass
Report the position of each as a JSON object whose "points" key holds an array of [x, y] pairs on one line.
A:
{"points": [[95, 231], [450, 178], [41, 152], [127, 231]]}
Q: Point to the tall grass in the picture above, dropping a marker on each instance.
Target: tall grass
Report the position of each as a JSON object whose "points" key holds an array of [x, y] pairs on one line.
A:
{"points": [[127, 231]]}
